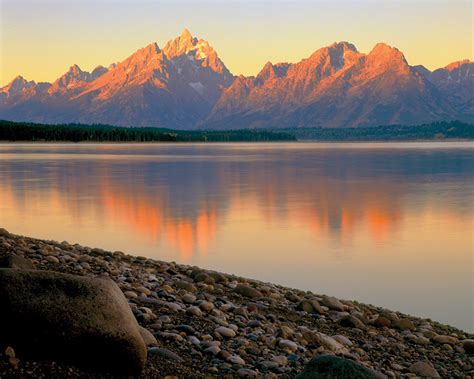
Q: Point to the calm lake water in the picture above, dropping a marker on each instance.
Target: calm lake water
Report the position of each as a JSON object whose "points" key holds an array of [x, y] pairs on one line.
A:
{"points": [[387, 224]]}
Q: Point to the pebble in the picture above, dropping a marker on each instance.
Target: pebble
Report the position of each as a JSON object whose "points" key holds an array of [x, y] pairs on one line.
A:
{"points": [[254, 324], [213, 350], [130, 294], [247, 373], [468, 346], [189, 298], [195, 311], [206, 306], [165, 353], [288, 345], [235, 359], [445, 339], [186, 329], [332, 303], [352, 322], [330, 343], [422, 340], [148, 337], [194, 340], [185, 286], [52, 259], [424, 369], [225, 332], [170, 336], [343, 340], [247, 291], [405, 324], [143, 290], [280, 360]]}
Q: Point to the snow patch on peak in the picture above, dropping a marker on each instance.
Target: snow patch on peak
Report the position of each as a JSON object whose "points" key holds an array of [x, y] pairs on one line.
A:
{"points": [[198, 87]]}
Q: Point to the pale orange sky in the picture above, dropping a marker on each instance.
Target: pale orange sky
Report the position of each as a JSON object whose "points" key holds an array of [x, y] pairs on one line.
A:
{"points": [[41, 39]]}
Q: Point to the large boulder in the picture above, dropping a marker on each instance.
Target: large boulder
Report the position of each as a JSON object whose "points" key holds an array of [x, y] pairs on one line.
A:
{"points": [[72, 319], [15, 261], [332, 367]]}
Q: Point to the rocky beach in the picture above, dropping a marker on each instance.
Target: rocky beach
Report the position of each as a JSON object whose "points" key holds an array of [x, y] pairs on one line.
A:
{"points": [[192, 322]]}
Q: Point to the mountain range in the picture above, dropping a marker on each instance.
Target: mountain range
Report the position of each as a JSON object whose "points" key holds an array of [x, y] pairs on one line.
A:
{"points": [[185, 85]]}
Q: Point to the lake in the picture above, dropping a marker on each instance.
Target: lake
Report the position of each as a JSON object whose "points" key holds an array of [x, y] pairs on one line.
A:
{"points": [[386, 224]]}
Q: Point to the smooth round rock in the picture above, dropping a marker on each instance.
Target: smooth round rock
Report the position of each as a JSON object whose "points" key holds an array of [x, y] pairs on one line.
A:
{"points": [[445, 339], [288, 345], [165, 353], [468, 346], [405, 324], [52, 259], [225, 332], [424, 369], [187, 286], [148, 337], [189, 298], [235, 359], [332, 303], [195, 311], [332, 367], [247, 291]]}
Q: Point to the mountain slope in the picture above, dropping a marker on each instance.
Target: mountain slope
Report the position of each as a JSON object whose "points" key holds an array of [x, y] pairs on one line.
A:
{"points": [[335, 87], [456, 82]]}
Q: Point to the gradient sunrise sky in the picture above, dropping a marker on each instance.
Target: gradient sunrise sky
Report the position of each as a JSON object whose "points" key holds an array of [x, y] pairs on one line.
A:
{"points": [[41, 39]]}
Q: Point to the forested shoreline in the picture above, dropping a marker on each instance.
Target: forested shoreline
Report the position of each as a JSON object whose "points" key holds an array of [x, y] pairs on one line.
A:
{"points": [[31, 132], [436, 131]]}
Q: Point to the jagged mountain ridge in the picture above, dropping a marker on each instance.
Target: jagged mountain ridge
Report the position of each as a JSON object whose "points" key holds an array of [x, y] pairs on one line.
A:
{"points": [[335, 87], [185, 85], [176, 86]]}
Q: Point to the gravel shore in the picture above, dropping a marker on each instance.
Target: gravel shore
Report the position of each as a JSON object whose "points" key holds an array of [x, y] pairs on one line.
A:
{"points": [[204, 323]]}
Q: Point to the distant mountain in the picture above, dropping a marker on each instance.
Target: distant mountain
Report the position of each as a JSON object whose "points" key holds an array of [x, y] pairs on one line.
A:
{"points": [[335, 87], [173, 87], [185, 85], [456, 83]]}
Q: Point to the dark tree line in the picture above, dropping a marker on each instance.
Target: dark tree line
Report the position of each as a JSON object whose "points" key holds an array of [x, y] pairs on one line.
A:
{"points": [[23, 131], [432, 131], [31, 132]]}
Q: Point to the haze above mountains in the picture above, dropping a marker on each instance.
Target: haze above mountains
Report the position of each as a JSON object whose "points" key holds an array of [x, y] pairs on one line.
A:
{"points": [[185, 85]]}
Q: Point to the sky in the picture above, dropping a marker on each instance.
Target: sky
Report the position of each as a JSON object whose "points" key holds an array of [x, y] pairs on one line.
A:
{"points": [[41, 39]]}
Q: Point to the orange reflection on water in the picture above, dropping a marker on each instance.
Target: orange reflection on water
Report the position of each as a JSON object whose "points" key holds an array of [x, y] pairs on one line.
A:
{"points": [[148, 215]]}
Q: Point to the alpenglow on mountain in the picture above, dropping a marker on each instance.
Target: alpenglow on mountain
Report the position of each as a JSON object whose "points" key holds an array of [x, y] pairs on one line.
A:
{"points": [[185, 85]]}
